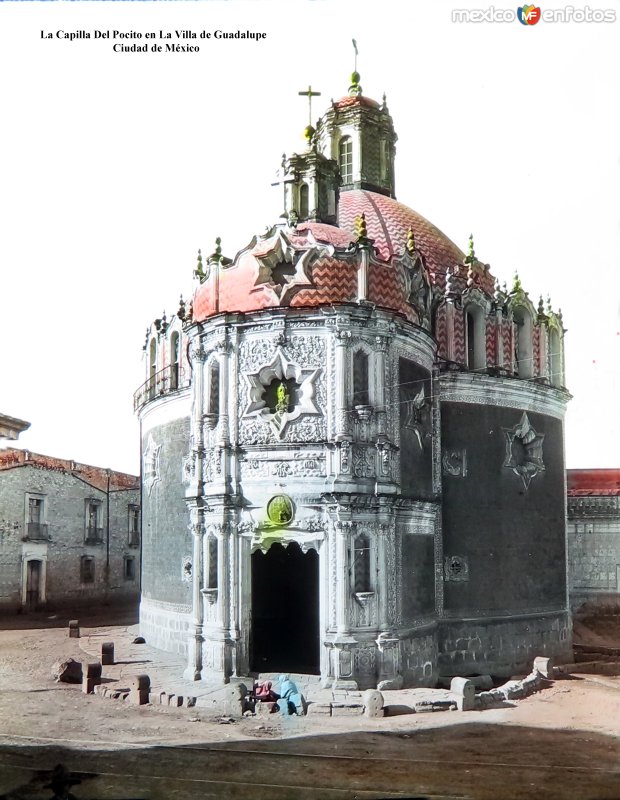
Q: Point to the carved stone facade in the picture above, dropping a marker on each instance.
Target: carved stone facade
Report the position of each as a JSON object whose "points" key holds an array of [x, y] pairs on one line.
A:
{"points": [[360, 441]]}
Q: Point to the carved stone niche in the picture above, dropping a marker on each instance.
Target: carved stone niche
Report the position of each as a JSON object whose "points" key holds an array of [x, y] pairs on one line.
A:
{"points": [[524, 450], [285, 407], [210, 595], [364, 413], [454, 462], [456, 568], [363, 598]]}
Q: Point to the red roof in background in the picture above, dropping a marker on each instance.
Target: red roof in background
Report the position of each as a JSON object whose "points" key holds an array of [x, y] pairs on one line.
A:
{"points": [[97, 477], [588, 482]]}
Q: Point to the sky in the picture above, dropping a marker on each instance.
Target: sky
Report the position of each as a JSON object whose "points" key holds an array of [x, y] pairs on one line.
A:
{"points": [[115, 167]]}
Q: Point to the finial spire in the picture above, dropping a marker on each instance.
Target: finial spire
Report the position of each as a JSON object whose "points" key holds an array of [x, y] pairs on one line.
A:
{"points": [[410, 241], [199, 271], [360, 226], [355, 88], [470, 258]]}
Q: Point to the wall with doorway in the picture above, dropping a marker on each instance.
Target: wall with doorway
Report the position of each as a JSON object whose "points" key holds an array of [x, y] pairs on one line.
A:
{"points": [[69, 533]]}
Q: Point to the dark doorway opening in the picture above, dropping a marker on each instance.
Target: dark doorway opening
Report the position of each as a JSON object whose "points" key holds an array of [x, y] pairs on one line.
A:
{"points": [[33, 582], [285, 610]]}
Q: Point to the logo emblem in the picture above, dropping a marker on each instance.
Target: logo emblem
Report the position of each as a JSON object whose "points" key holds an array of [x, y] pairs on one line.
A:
{"points": [[529, 15]]}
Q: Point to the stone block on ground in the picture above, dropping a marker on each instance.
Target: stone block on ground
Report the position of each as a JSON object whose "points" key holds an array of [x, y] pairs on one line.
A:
{"points": [[138, 697], [320, 709], [91, 676], [390, 684], [67, 671], [154, 698], [429, 706], [348, 710], [74, 629], [481, 682], [107, 653], [373, 703], [513, 690], [141, 682], [464, 693], [544, 666]]}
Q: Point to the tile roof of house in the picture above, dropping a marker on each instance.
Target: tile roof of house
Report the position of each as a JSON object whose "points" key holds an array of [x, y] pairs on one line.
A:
{"points": [[592, 482], [12, 457]]}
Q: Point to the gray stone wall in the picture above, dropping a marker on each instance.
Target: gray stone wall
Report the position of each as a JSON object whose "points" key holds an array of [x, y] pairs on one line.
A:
{"points": [[508, 537], [65, 498], [167, 541], [503, 647], [594, 550], [419, 659], [418, 577]]}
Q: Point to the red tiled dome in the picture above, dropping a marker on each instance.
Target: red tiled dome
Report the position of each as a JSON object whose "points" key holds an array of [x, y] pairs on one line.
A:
{"points": [[333, 279], [388, 222]]}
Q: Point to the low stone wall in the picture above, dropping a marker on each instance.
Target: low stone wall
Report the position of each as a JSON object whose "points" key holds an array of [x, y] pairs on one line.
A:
{"points": [[419, 660], [164, 627], [503, 646]]}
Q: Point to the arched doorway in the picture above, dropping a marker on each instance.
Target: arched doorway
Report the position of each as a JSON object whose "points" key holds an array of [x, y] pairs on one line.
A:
{"points": [[285, 610]]}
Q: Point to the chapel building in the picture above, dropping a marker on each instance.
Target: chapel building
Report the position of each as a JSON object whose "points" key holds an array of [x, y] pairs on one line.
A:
{"points": [[352, 443]]}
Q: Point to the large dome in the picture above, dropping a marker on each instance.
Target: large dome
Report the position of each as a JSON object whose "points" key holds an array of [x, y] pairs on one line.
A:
{"points": [[388, 223], [270, 273]]}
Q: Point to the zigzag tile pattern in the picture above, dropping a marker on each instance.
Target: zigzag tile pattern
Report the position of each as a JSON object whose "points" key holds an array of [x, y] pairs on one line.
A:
{"points": [[335, 281], [387, 288], [490, 342], [536, 350], [441, 332], [388, 222], [508, 346], [459, 338]]}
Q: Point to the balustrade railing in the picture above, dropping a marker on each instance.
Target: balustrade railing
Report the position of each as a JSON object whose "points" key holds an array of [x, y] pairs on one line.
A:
{"points": [[166, 380]]}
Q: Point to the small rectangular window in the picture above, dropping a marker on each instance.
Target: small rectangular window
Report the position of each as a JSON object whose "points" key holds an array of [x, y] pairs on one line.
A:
{"points": [[36, 527], [87, 569], [94, 524], [35, 509], [130, 568], [134, 525]]}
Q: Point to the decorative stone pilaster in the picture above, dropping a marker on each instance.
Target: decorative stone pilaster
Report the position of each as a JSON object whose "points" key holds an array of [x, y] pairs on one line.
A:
{"points": [[193, 672], [343, 537], [380, 361], [343, 339]]}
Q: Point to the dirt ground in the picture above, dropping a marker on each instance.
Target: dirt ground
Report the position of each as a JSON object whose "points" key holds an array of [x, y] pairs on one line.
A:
{"points": [[559, 743]]}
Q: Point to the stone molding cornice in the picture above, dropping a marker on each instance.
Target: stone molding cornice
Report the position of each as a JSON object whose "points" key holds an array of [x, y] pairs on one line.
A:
{"points": [[521, 395]]}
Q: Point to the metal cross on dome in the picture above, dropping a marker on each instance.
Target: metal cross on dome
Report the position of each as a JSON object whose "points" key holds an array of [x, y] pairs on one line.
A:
{"points": [[310, 94]]}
